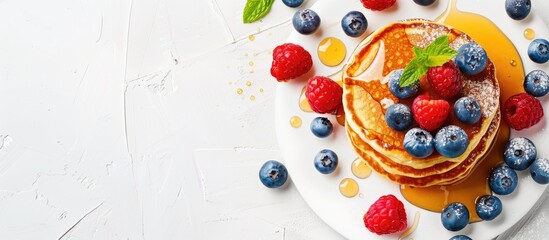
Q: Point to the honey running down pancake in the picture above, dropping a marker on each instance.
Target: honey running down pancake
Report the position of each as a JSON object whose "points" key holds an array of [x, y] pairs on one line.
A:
{"points": [[366, 97]]}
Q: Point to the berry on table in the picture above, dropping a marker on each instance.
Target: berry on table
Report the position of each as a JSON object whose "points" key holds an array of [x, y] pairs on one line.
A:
{"points": [[430, 114], [503, 180], [451, 141], [401, 92], [419, 143], [321, 127], [488, 207], [323, 94], [538, 50], [273, 174], [540, 170], [386, 215], [290, 61], [467, 110], [518, 9], [445, 79], [460, 237], [377, 5], [471, 59], [306, 21], [292, 3], [455, 216], [536, 83], [399, 117], [522, 111], [326, 161], [354, 24], [519, 153], [424, 2]]}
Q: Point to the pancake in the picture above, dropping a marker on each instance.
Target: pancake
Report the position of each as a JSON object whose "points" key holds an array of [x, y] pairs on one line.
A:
{"points": [[366, 97]]}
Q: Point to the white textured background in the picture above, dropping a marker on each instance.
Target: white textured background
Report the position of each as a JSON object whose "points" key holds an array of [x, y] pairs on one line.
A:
{"points": [[120, 120]]}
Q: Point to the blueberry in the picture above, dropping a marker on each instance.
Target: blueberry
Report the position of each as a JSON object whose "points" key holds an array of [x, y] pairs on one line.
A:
{"points": [[467, 110], [326, 161], [354, 23], [540, 170], [293, 3], [503, 180], [519, 153], [451, 141], [536, 83], [306, 21], [419, 143], [321, 127], [424, 2], [538, 50], [455, 216], [460, 237], [273, 174], [401, 92], [488, 207], [517, 9], [399, 117], [471, 59]]}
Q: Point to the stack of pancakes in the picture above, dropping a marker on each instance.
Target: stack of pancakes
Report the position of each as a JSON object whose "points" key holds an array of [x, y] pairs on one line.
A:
{"points": [[366, 97]]}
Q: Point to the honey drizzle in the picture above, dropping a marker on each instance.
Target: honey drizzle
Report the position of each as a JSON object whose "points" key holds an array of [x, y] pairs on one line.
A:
{"points": [[411, 229], [502, 52]]}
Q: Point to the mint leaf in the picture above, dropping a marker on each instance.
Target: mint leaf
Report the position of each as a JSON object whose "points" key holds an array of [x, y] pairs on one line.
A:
{"points": [[434, 55], [256, 9]]}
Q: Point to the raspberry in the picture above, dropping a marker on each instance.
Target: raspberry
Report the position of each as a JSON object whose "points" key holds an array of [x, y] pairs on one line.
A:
{"points": [[445, 79], [386, 215], [522, 111], [290, 61], [323, 94], [377, 5], [430, 114]]}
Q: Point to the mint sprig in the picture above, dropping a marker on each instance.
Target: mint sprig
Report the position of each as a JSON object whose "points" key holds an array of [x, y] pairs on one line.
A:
{"points": [[256, 9], [434, 55]]}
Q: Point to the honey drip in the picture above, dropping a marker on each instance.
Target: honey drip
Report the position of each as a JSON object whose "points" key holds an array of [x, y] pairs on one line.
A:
{"points": [[360, 169], [331, 51], [348, 187], [411, 229], [502, 52], [529, 33], [295, 122]]}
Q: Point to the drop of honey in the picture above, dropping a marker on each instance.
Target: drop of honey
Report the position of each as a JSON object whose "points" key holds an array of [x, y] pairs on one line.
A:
{"points": [[295, 122], [331, 51], [513, 63], [261, 90], [239, 91], [529, 33], [348, 187], [251, 37], [252, 97], [248, 83], [360, 169]]}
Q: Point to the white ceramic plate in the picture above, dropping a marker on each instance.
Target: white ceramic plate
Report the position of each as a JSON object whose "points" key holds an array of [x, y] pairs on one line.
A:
{"points": [[299, 146]]}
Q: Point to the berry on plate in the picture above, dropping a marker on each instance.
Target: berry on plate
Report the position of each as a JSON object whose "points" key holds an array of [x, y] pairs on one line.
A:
{"points": [[518, 9], [445, 79], [540, 170], [385, 216], [471, 59], [292, 3], [397, 90], [419, 143], [503, 180], [326, 161], [430, 114], [519, 153], [488, 207], [306, 21], [424, 2], [460, 237], [451, 141], [399, 117], [323, 94], [538, 50], [377, 5], [290, 61], [455, 216], [467, 110], [273, 174], [522, 111], [321, 127], [354, 24], [536, 83]]}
